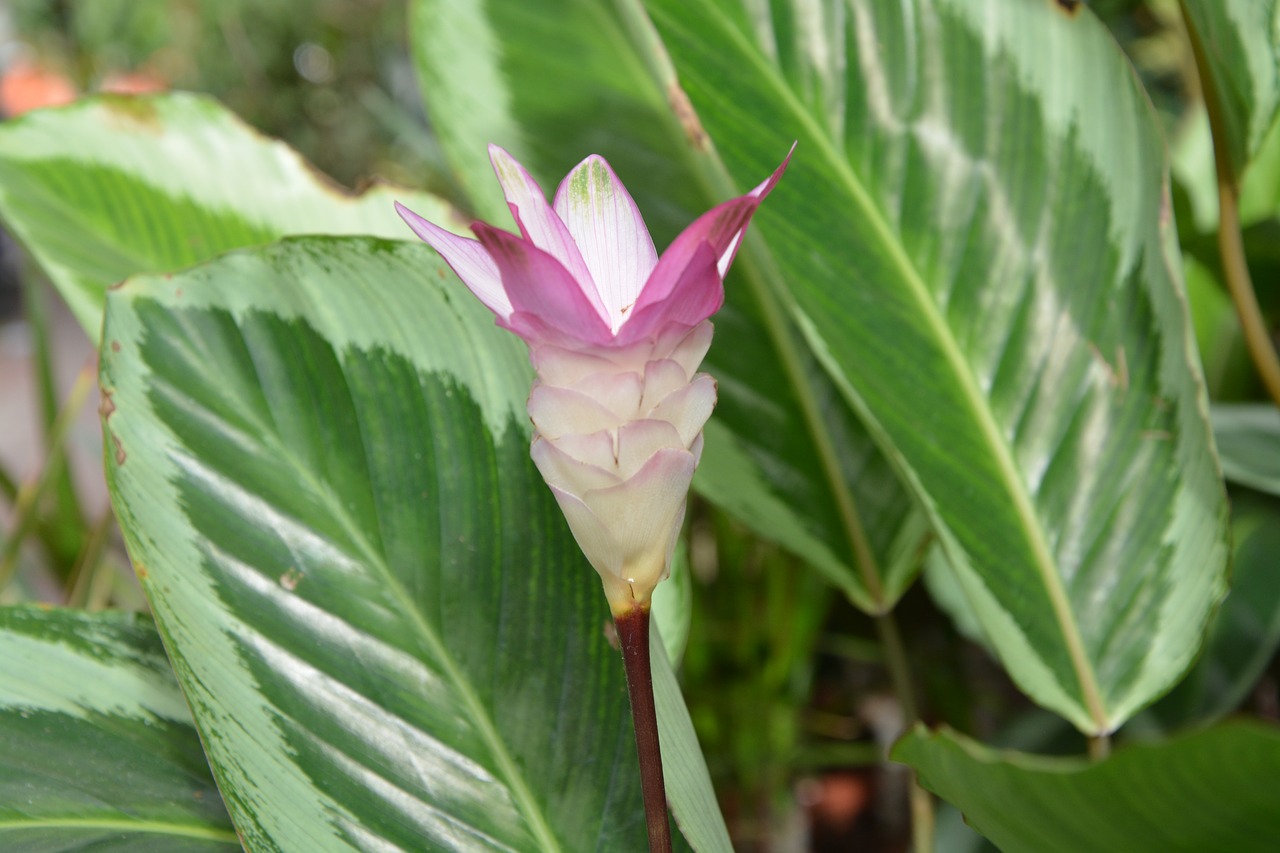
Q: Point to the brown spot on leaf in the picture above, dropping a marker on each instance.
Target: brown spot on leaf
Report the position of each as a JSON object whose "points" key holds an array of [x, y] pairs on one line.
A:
{"points": [[688, 118], [120, 454], [289, 580], [115, 346], [107, 407], [1071, 7], [133, 112], [140, 570]]}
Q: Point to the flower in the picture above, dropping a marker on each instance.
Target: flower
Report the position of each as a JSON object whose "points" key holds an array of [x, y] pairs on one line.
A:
{"points": [[616, 335]]}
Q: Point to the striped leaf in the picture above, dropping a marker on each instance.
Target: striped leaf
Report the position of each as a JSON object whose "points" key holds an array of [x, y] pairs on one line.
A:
{"points": [[977, 237], [319, 455], [112, 185], [1238, 46], [97, 749]]}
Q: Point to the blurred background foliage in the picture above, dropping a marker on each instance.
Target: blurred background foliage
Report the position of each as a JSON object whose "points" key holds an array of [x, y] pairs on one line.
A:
{"points": [[331, 77], [783, 677]]}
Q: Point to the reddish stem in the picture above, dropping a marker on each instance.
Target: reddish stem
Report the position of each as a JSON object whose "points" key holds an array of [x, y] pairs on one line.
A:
{"points": [[633, 633]]}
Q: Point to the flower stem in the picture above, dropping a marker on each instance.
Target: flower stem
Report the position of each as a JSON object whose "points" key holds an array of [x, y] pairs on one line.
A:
{"points": [[633, 633]]}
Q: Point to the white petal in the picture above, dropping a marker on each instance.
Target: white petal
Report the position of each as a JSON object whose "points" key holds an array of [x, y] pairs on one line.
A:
{"points": [[560, 411], [597, 448], [660, 379], [628, 531], [688, 408], [610, 233], [687, 346], [562, 471], [638, 441], [617, 392]]}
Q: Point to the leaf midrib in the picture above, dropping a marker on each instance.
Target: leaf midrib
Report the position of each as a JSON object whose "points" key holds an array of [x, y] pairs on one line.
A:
{"points": [[953, 356], [520, 790], [176, 830]]}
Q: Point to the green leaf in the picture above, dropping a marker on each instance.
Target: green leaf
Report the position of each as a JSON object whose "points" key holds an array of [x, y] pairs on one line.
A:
{"points": [[1245, 634], [672, 609], [1248, 437], [97, 749], [319, 456], [1212, 790], [975, 231], [112, 186], [1238, 44], [784, 452]]}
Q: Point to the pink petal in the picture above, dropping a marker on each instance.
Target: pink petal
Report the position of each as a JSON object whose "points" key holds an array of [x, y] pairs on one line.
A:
{"points": [[721, 228], [559, 365], [610, 233], [467, 258], [538, 285], [538, 223], [563, 367], [695, 296]]}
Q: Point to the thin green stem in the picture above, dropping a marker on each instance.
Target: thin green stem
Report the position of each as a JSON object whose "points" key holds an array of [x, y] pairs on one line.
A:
{"points": [[84, 577], [26, 505], [1099, 747], [64, 517], [633, 634]]}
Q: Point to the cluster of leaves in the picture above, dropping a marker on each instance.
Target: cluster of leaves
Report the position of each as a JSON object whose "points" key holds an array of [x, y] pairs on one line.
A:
{"points": [[958, 336]]}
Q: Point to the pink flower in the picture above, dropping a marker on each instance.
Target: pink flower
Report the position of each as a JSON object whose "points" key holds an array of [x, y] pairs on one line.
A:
{"points": [[616, 335]]}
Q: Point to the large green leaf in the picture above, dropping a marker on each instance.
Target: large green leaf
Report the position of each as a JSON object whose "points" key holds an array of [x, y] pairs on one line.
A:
{"points": [[111, 186], [784, 452], [976, 232], [1238, 43], [1212, 790], [388, 638], [97, 749]]}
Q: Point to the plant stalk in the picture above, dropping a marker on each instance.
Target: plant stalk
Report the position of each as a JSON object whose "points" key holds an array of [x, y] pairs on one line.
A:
{"points": [[895, 660], [1235, 267], [633, 634], [1099, 747]]}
